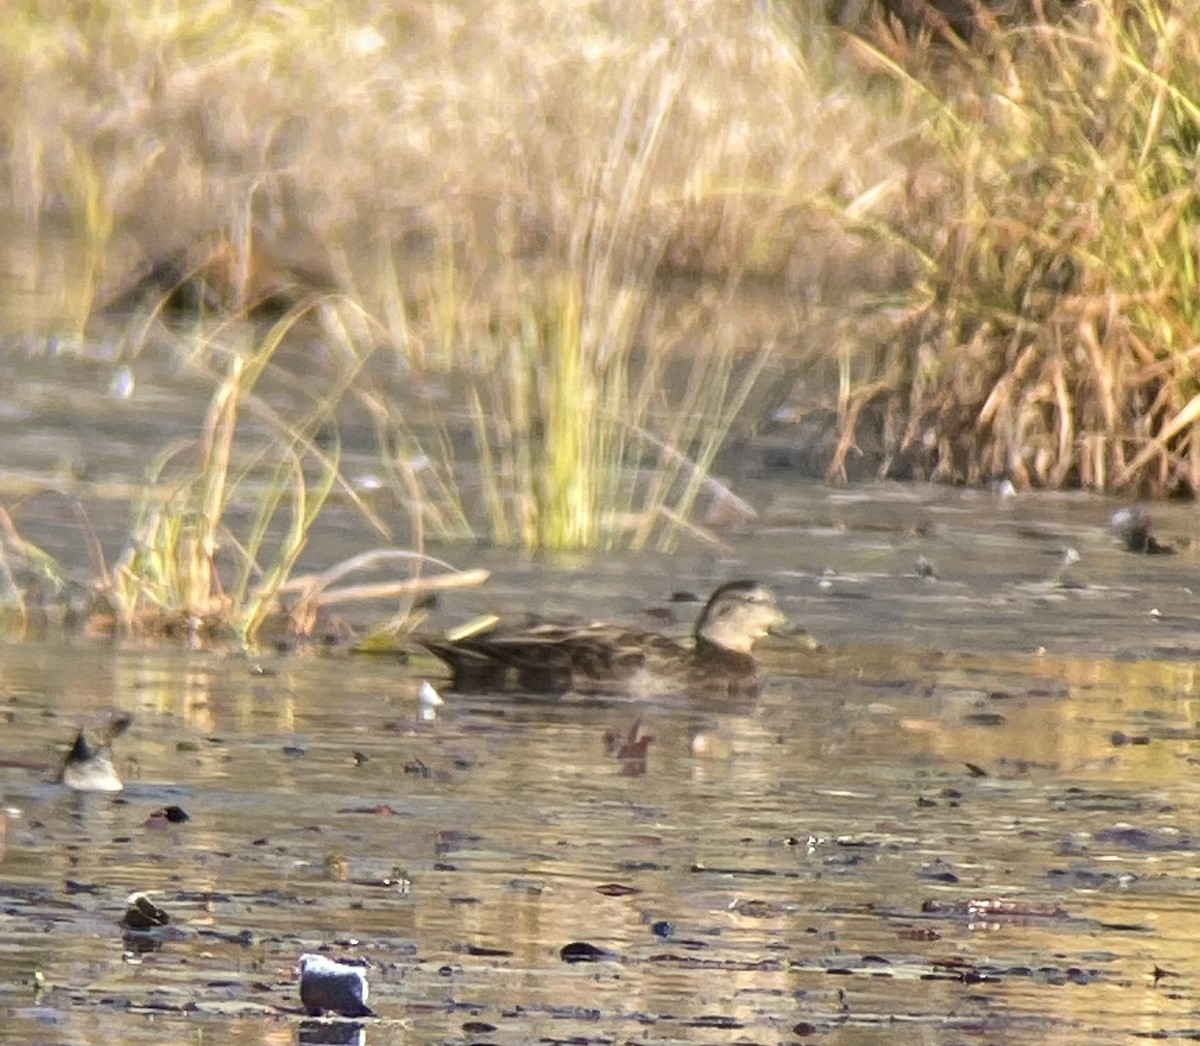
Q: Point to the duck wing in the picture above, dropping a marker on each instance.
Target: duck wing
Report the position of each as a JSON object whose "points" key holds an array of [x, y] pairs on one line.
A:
{"points": [[551, 658]]}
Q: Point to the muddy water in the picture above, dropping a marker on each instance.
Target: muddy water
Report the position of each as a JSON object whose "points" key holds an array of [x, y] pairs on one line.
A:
{"points": [[968, 815]]}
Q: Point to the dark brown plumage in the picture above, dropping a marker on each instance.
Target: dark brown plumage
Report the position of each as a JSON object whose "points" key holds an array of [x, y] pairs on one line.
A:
{"points": [[552, 658]]}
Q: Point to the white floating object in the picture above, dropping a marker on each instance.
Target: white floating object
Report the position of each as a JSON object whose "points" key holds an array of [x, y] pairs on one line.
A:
{"points": [[429, 701], [367, 481], [121, 386], [334, 987]]}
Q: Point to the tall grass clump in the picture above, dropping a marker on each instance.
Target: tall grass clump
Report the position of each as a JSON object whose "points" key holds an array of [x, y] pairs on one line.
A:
{"points": [[223, 520], [1052, 334], [660, 169], [198, 492], [594, 240]]}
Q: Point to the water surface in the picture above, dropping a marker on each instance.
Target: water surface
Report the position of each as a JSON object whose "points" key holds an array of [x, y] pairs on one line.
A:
{"points": [[971, 811], [962, 811]]}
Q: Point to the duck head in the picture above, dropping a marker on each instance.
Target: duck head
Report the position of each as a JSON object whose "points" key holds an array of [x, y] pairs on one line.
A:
{"points": [[739, 614]]}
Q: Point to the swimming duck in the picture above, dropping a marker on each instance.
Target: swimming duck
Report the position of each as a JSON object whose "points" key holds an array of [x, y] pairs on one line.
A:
{"points": [[553, 658], [88, 766]]}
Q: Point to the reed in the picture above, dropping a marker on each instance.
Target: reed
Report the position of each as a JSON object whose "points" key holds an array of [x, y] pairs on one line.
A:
{"points": [[595, 243], [274, 480], [1051, 334]]}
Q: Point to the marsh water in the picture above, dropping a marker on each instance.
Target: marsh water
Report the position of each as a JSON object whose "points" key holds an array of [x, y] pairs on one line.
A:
{"points": [[964, 808]]}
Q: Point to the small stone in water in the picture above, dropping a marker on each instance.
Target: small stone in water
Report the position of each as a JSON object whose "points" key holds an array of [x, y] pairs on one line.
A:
{"points": [[328, 985]]}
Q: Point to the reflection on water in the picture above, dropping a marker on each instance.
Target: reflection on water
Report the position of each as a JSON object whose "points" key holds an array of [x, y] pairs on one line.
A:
{"points": [[826, 872], [331, 1033]]}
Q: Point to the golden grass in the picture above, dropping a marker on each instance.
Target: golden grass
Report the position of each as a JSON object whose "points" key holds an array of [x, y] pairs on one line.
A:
{"points": [[1052, 334], [627, 230]]}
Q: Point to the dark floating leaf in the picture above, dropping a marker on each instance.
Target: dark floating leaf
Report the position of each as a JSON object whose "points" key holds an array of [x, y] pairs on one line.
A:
{"points": [[616, 889], [938, 871], [359, 758], [1120, 738], [583, 951], [293, 750], [662, 929], [478, 1027], [641, 866], [484, 952], [975, 771], [1143, 839], [1090, 879], [165, 815], [984, 719], [714, 1020], [1160, 973], [920, 934]]}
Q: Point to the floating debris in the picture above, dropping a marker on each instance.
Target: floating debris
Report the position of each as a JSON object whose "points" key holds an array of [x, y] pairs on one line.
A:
{"points": [[995, 909], [88, 766], [629, 747], [141, 913], [1131, 526], [165, 815], [1060, 577], [428, 701], [329, 986], [583, 951]]}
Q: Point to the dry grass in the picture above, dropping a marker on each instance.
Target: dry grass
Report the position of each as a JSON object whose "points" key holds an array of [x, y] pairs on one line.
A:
{"points": [[1052, 337], [561, 201], [620, 226]]}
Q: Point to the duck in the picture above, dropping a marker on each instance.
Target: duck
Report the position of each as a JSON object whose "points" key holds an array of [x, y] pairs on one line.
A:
{"points": [[551, 658], [88, 766]]}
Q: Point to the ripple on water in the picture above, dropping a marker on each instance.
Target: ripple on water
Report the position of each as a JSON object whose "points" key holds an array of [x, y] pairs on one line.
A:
{"points": [[962, 814]]}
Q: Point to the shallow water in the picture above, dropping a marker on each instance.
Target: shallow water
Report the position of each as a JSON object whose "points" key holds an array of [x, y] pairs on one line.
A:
{"points": [[969, 815], [970, 812]]}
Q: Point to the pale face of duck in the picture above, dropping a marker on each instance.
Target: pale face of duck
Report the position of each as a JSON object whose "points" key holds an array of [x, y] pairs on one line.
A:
{"points": [[738, 615]]}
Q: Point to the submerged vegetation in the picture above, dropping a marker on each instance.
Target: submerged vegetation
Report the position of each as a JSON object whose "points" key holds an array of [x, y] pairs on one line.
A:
{"points": [[555, 254]]}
